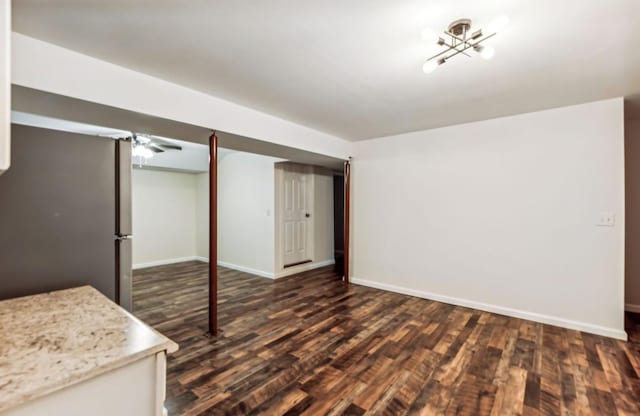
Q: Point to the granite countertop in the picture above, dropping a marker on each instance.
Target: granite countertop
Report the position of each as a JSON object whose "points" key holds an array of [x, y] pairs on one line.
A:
{"points": [[53, 340]]}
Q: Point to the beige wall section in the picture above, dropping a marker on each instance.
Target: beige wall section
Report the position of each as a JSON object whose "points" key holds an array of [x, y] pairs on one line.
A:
{"points": [[500, 215], [632, 281], [323, 249], [245, 213], [164, 216], [202, 215], [322, 217]]}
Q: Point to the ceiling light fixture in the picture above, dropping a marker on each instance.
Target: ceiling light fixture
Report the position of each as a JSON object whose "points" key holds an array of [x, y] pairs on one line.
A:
{"points": [[142, 152], [459, 39]]}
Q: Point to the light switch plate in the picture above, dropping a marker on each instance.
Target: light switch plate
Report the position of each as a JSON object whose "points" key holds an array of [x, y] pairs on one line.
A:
{"points": [[607, 219]]}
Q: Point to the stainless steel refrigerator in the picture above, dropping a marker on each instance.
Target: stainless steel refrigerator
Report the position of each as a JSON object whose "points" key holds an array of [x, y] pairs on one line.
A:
{"points": [[65, 214]]}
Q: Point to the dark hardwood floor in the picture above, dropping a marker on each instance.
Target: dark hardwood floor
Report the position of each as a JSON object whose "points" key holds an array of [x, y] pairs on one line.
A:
{"points": [[307, 344]]}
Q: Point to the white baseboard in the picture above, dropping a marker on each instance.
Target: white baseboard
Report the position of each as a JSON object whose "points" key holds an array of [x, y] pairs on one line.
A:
{"points": [[501, 310], [239, 268], [304, 267], [163, 262], [287, 272], [630, 307], [249, 270]]}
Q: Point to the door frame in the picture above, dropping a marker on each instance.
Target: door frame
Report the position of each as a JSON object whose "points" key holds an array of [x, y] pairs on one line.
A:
{"points": [[279, 171], [347, 218]]}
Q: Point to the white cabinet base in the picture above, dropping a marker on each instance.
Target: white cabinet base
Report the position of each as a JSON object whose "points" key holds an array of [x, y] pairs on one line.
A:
{"points": [[137, 389]]}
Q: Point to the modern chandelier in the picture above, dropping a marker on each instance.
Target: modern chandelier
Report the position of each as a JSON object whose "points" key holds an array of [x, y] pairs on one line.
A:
{"points": [[459, 39]]}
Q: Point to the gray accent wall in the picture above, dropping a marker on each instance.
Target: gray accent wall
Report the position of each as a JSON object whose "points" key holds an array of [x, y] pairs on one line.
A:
{"points": [[57, 213]]}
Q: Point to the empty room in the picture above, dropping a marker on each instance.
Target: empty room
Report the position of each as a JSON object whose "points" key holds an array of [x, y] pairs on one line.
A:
{"points": [[319, 208]]}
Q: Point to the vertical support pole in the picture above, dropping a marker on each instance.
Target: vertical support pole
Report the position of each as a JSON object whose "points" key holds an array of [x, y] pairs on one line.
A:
{"points": [[347, 211], [213, 234]]}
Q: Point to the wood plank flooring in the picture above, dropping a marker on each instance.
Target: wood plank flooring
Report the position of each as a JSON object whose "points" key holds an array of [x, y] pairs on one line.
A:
{"points": [[309, 345]]}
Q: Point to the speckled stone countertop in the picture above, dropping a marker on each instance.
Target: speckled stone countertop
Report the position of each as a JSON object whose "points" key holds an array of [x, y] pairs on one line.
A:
{"points": [[53, 340]]}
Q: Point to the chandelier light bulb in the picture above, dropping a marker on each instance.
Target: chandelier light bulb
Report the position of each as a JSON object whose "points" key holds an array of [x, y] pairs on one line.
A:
{"points": [[487, 52], [429, 36], [430, 66], [498, 24]]}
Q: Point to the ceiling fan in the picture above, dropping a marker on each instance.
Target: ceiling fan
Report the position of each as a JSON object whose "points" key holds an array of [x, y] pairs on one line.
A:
{"points": [[144, 147]]}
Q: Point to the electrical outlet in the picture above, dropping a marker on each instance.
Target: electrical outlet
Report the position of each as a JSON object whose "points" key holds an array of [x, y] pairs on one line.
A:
{"points": [[607, 219]]}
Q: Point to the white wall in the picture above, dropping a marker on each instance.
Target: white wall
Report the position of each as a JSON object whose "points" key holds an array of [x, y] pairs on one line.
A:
{"points": [[632, 287], [202, 216], [323, 245], [245, 213], [164, 217], [500, 215]]}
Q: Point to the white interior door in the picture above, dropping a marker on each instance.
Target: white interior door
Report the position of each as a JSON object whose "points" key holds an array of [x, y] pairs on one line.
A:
{"points": [[297, 228]]}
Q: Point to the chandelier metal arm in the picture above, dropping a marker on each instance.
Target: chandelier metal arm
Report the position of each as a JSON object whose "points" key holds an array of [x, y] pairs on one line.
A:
{"points": [[455, 47], [468, 44], [450, 48], [461, 39]]}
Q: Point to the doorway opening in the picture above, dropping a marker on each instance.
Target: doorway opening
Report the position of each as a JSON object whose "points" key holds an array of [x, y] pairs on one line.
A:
{"points": [[79, 115], [304, 218]]}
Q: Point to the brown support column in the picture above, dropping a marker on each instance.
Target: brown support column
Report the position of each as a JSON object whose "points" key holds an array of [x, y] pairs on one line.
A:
{"points": [[347, 212], [213, 234]]}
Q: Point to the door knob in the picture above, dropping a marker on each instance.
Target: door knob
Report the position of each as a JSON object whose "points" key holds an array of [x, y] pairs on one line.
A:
{"points": [[307, 215]]}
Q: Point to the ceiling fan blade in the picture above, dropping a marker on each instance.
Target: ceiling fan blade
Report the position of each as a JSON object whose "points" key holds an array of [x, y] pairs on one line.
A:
{"points": [[155, 148], [165, 144], [170, 146]]}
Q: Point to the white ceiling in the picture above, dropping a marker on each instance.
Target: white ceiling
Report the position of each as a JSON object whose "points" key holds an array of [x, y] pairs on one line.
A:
{"points": [[353, 68]]}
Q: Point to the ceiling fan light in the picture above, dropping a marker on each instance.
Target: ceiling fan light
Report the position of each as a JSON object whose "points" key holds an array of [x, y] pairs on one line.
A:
{"points": [[136, 151], [430, 66], [498, 24], [142, 151]]}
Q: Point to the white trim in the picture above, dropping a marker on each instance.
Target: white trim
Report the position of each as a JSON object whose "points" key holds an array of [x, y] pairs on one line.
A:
{"points": [[516, 313], [163, 262], [249, 270], [304, 267], [287, 272], [630, 307]]}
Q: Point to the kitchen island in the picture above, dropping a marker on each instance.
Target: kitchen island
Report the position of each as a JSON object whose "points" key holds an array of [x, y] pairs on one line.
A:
{"points": [[75, 352]]}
